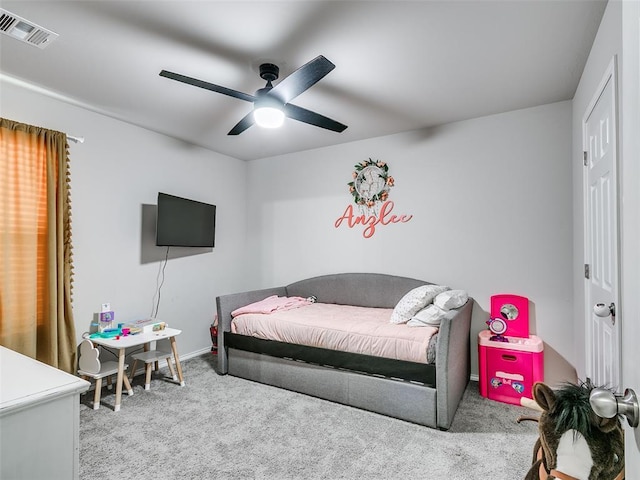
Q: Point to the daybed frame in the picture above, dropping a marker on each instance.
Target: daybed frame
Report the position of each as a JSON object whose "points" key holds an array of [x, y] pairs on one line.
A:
{"points": [[354, 379]]}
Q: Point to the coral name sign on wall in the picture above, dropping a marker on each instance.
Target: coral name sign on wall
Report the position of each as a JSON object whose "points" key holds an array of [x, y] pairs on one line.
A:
{"points": [[370, 190]]}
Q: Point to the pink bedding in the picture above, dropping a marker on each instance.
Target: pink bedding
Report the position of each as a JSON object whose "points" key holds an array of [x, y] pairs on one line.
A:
{"points": [[340, 327], [271, 304]]}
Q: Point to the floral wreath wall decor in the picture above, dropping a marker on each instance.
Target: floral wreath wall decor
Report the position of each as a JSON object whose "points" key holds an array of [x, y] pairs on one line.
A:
{"points": [[370, 192]]}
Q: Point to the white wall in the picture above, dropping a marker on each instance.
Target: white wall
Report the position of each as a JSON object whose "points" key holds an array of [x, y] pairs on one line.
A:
{"points": [[608, 42], [115, 176], [491, 206]]}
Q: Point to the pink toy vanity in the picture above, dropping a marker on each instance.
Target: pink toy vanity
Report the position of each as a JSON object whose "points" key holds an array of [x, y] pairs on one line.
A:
{"points": [[510, 360]]}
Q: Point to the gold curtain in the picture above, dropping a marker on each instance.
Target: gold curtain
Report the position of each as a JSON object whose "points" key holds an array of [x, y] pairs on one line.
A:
{"points": [[35, 245]]}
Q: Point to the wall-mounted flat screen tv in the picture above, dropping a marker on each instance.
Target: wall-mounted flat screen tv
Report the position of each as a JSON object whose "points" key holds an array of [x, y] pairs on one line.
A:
{"points": [[185, 223]]}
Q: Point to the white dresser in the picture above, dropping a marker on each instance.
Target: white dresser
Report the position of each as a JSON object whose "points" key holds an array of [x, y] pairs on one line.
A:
{"points": [[39, 419]]}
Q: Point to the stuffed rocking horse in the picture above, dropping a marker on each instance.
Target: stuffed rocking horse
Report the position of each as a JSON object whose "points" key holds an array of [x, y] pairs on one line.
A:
{"points": [[574, 442]]}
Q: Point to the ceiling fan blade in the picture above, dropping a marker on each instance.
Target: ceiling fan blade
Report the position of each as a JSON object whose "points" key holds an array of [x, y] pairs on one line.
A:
{"points": [[243, 124], [312, 118], [207, 86], [303, 78]]}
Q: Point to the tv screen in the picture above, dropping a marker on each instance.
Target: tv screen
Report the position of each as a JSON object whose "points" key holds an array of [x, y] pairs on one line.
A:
{"points": [[185, 223]]}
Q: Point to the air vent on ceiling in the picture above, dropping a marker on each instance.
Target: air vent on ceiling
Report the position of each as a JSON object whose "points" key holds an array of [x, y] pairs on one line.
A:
{"points": [[24, 30]]}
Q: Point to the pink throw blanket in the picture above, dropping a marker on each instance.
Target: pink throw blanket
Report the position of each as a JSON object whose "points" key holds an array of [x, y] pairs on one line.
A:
{"points": [[272, 304]]}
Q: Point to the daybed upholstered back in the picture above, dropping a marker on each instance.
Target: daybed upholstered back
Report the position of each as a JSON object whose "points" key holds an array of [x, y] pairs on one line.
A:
{"points": [[358, 289]]}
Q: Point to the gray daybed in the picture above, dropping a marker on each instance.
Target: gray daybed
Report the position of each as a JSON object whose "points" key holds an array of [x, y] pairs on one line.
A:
{"points": [[420, 393]]}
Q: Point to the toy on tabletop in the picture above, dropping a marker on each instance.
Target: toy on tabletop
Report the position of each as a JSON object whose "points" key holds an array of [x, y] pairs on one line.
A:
{"points": [[106, 318], [120, 331], [110, 333]]}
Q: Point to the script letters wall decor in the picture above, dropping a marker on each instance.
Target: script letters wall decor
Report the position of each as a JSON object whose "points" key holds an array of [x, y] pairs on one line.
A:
{"points": [[370, 191]]}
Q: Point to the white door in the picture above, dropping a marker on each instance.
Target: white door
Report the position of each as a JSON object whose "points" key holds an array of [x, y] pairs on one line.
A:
{"points": [[601, 235], [630, 223]]}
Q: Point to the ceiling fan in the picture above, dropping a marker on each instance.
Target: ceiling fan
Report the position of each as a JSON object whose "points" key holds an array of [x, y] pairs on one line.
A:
{"points": [[271, 104]]}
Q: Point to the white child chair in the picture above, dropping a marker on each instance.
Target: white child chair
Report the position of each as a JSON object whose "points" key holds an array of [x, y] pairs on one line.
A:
{"points": [[90, 366], [149, 358]]}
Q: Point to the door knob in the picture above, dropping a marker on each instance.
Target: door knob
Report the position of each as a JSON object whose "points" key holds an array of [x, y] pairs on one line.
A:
{"points": [[602, 310], [607, 405]]}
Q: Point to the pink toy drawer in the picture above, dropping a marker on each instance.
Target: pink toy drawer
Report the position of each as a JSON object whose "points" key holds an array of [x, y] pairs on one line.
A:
{"points": [[507, 375]]}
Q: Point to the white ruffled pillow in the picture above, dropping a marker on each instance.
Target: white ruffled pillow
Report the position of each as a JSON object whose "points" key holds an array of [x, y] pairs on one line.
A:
{"points": [[414, 301], [451, 299], [428, 316]]}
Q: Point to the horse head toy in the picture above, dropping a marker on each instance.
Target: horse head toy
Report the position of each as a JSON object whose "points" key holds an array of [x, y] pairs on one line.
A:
{"points": [[574, 442]]}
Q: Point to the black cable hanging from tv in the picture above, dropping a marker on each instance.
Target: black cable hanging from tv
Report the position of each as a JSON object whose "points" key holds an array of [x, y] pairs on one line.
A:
{"points": [[159, 287]]}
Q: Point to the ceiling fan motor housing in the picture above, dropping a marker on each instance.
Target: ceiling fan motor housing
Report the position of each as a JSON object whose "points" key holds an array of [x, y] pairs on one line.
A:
{"points": [[266, 101], [269, 72]]}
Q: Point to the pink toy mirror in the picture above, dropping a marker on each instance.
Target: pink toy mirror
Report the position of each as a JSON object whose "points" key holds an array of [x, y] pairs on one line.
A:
{"points": [[512, 311]]}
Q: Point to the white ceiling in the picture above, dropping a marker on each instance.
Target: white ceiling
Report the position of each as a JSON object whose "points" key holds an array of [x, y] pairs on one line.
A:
{"points": [[400, 65]]}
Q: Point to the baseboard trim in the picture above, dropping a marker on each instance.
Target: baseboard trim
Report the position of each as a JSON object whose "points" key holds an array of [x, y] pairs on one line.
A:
{"points": [[197, 353]]}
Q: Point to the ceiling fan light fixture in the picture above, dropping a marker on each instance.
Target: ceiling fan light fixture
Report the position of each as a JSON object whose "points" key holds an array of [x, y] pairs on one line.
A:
{"points": [[268, 116]]}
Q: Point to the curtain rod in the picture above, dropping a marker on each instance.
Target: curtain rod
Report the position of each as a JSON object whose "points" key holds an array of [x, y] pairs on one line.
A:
{"points": [[75, 139]]}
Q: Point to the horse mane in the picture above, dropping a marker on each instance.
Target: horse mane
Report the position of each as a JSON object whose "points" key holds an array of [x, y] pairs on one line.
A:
{"points": [[572, 410]]}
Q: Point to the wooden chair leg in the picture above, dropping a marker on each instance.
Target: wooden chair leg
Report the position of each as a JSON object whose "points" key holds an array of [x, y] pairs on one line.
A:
{"points": [[133, 369], [173, 372], [125, 379], [147, 379], [109, 382], [96, 395]]}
